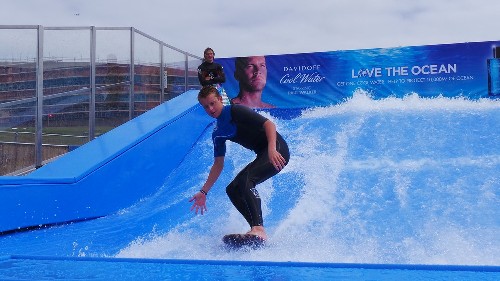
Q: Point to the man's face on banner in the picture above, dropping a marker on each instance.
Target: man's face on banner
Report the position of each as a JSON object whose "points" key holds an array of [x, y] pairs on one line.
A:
{"points": [[253, 75]]}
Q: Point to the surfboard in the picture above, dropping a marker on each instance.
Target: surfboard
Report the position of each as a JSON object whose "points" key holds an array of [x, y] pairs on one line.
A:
{"points": [[239, 241]]}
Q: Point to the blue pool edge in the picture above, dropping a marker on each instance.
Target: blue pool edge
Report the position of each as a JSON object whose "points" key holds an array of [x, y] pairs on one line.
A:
{"points": [[426, 267]]}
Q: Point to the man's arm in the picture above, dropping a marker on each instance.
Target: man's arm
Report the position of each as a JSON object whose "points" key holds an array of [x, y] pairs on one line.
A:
{"points": [[275, 157], [200, 198], [201, 75], [221, 76], [214, 174]]}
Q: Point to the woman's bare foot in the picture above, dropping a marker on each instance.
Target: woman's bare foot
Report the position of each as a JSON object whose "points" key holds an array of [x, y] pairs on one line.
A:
{"points": [[259, 231]]}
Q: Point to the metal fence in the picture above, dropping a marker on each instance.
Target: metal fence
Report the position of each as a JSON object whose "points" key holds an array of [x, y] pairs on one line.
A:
{"points": [[63, 86]]}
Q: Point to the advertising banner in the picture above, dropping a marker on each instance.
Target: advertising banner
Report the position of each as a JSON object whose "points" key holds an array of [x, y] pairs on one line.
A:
{"points": [[470, 70]]}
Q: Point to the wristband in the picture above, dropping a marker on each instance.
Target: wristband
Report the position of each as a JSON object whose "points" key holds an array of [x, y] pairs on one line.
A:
{"points": [[203, 191]]}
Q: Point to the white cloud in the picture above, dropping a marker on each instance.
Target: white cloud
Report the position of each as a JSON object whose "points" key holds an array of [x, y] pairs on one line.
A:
{"points": [[239, 28]]}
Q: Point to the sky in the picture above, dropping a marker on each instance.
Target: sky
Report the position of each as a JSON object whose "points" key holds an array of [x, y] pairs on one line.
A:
{"points": [[265, 27]]}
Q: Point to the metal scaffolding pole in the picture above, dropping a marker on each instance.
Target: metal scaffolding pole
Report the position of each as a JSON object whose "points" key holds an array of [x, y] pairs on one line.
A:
{"points": [[39, 98], [132, 73], [162, 75], [92, 83]]}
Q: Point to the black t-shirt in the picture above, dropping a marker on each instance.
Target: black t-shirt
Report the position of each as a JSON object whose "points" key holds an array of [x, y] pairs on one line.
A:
{"points": [[212, 70], [241, 125]]}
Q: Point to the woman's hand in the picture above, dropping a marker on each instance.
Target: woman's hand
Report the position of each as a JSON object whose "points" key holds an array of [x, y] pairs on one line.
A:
{"points": [[199, 204]]}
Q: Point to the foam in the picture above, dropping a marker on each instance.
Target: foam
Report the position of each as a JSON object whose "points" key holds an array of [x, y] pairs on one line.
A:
{"points": [[365, 184]]}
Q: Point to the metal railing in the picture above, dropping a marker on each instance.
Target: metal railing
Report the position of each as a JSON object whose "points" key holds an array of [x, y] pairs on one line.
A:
{"points": [[74, 81]]}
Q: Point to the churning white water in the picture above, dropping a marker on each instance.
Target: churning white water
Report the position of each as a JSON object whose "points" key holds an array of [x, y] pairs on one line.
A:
{"points": [[407, 180]]}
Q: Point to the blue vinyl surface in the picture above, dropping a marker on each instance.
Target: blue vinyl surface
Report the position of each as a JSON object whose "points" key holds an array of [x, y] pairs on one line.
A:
{"points": [[50, 268], [390, 189]]}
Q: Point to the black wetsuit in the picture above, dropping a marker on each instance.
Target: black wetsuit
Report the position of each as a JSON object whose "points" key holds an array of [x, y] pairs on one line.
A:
{"points": [[212, 70], [244, 126]]}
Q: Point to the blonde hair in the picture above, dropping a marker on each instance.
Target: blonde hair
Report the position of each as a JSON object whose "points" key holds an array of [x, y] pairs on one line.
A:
{"points": [[206, 91]]}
